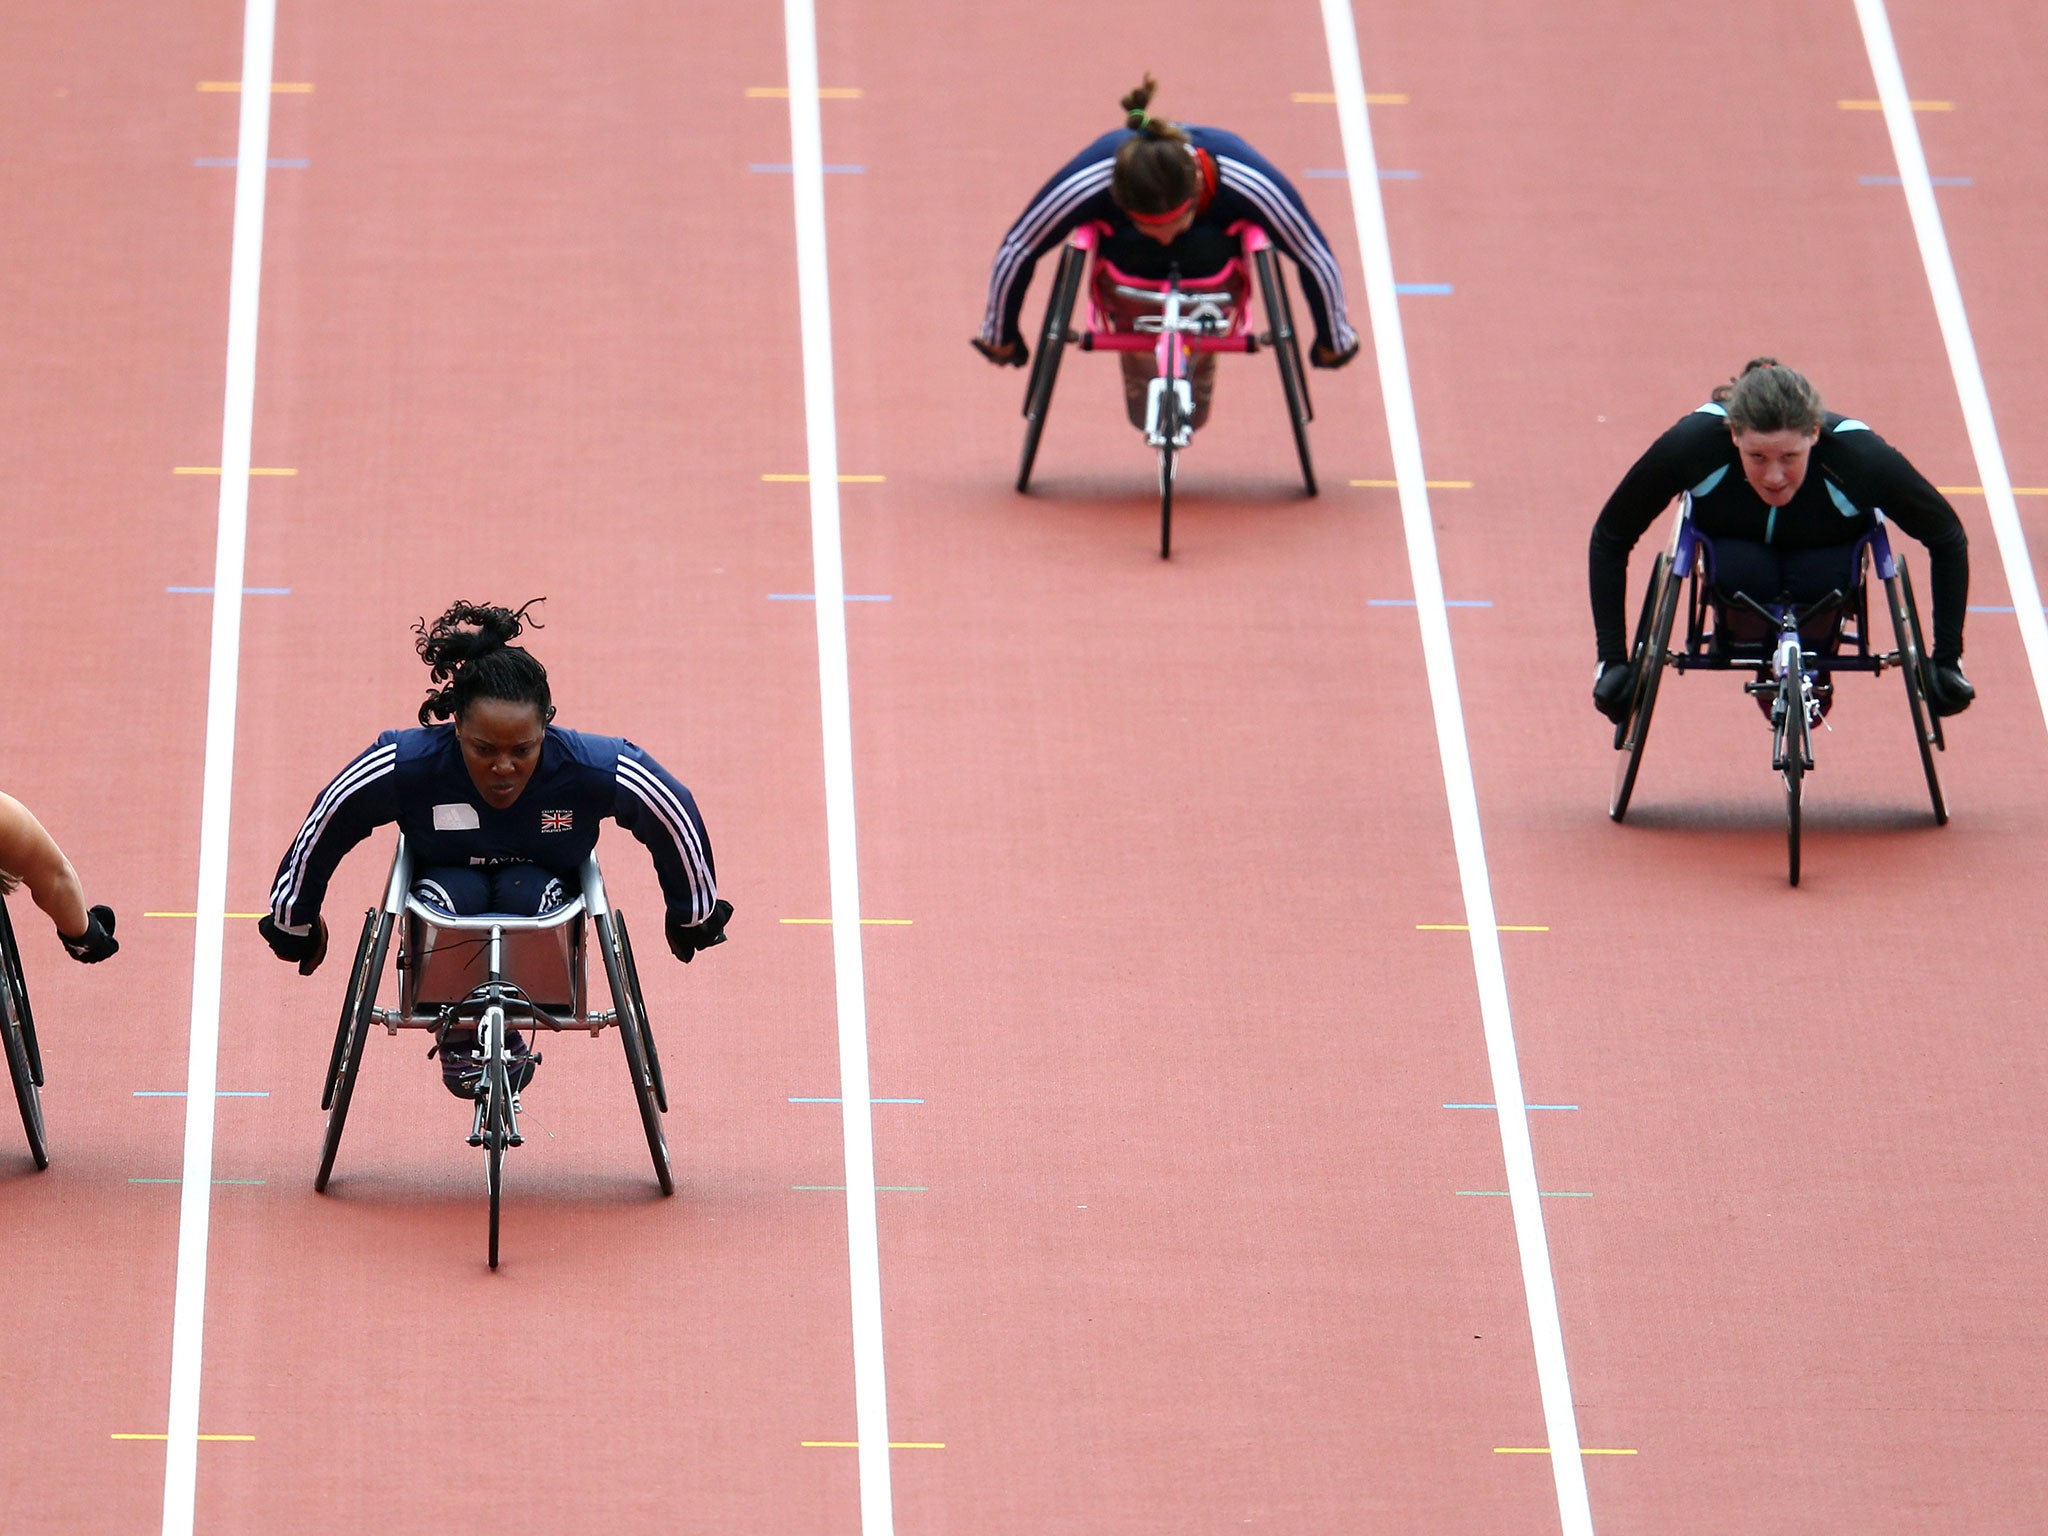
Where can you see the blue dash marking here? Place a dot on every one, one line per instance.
(794, 1100)
(246, 591)
(1525, 1106)
(1976, 608)
(1409, 602)
(830, 170)
(1422, 287)
(1939, 181)
(812, 597)
(232, 160)
(1340, 174)
(224, 1093)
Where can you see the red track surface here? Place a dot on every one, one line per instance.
(1185, 1252)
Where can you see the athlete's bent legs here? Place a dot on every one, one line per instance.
(1141, 368)
(511, 890)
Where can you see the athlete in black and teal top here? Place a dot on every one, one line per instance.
(1783, 506)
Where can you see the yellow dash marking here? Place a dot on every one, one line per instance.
(1467, 928)
(843, 479)
(1329, 98)
(879, 922)
(166, 1437)
(1544, 1450)
(1978, 490)
(1878, 106)
(894, 1445)
(250, 915)
(277, 87)
(1434, 485)
(214, 469)
(827, 92)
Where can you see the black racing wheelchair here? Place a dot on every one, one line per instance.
(24, 1056)
(1791, 651)
(494, 973)
(1174, 320)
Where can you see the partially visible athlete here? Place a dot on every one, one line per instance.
(499, 807)
(1785, 528)
(30, 856)
(1169, 194)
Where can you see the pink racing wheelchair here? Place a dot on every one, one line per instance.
(1174, 320)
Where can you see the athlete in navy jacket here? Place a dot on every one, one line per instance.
(498, 806)
(1783, 489)
(1168, 194)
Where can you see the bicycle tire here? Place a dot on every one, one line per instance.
(1287, 352)
(1660, 609)
(1045, 367)
(351, 1056)
(1927, 733)
(19, 983)
(636, 1056)
(25, 1096)
(640, 1008)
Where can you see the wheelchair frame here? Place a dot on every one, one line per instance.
(1172, 338)
(485, 972)
(24, 1056)
(1711, 645)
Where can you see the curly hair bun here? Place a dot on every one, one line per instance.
(469, 650)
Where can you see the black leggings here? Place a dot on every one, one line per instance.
(1771, 574)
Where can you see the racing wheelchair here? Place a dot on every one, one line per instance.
(1791, 651)
(24, 1056)
(1174, 320)
(498, 973)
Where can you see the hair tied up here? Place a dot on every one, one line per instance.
(469, 651)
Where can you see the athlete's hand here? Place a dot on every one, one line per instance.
(1011, 354)
(1614, 691)
(305, 950)
(685, 939)
(97, 942)
(1322, 355)
(1948, 691)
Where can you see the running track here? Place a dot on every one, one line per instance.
(1172, 1238)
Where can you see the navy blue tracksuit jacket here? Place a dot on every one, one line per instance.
(417, 779)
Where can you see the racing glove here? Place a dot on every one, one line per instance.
(685, 939)
(97, 942)
(1614, 690)
(305, 950)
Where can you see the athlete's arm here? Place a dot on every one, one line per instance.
(662, 814)
(1672, 464)
(1078, 192)
(1278, 209)
(1877, 474)
(32, 856)
(362, 798)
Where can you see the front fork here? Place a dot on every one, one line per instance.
(1173, 375)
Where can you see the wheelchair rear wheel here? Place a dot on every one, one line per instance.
(19, 1033)
(1912, 659)
(626, 1003)
(1652, 643)
(1287, 350)
(19, 983)
(640, 1002)
(1045, 367)
(352, 1034)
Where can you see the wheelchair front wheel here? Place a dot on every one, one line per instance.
(1912, 662)
(354, 1033)
(1166, 477)
(1652, 643)
(1045, 367)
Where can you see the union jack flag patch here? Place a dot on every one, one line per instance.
(557, 821)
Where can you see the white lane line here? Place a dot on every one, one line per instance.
(188, 1320)
(1955, 334)
(863, 1246)
(1560, 1423)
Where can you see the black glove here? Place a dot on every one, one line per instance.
(1948, 691)
(97, 942)
(306, 950)
(685, 939)
(1614, 691)
(1016, 358)
(1321, 355)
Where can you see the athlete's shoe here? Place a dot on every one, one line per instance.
(462, 1069)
